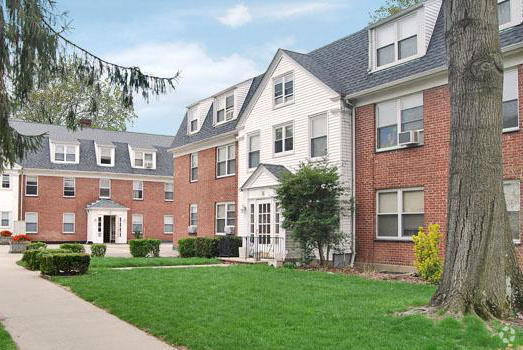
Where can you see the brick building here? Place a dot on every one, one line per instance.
(95, 185)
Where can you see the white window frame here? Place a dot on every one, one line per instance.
(165, 223)
(192, 114)
(311, 118)
(249, 150)
(399, 196)
(101, 149)
(100, 188)
(26, 178)
(64, 223)
(67, 148)
(35, 222)
(398, 121)
(227, 160)
(138, 187)
(513, 70)
(284, 151)
(517, 182)
(420, 38)
(2, 178)
(165, 185)
(141, 155)
(9, 214)
(191, 212)
(220, 103)
(515, 14)
(216, 218)
(74, 187)
(134, 221)
(287, 100)
(194, 162)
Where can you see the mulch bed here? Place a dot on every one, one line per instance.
(383, 276)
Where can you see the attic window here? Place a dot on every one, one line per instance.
(144, 160)
(224, 108)
(105, 156)
(192, 118)
(64, 153)
(283, 89)
(509, 13)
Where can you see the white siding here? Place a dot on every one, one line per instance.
(431, 15)
(240, 94)
(9, 198)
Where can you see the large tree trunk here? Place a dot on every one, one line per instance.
(481, 273)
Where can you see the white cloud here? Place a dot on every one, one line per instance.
(236, 16)
(201, 76)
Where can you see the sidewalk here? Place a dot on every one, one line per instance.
(40, 315)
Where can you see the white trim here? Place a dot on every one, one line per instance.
(74, 187)
(284, 152)
(309, 134)
(25, 186)
(191, 206)
(248, 149)
(98, 151)
(65, 145)
(164, 191)
(224, 96)
(225, 218)
(142, 221)
(100, 188)
(191, 167)
(63, 223)
(515, 14)
(212, 142)
(25, 219)
(9, 219)
(284, 81)
(10, 182)
(227, 173)
(172, 224)
(96, 175)
(140, 188)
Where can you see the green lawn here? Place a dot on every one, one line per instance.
(6, 343)
(109, 262)
(258, 307)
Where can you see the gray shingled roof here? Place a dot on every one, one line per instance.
(275, 169)
(208, 130)
(105, 204)
(86, 138)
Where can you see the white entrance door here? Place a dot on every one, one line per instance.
(261, 229)
(121, 228)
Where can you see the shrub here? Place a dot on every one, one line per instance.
(206, 247)
(5, 233)
(36, 246)
(98, 250)
(427, 259)
(21, 238)
(145, 247)
(32, 257)
(186, 247)
(229, 246)
(74, 247)
(64, 264)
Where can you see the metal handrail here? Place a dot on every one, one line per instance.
(260, 247)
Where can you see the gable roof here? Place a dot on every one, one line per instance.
(105, 204)
(208, 129)
(275, 170)
(87, 137)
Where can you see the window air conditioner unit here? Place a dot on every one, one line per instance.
(229, 230)
(409, 138)
(192, 229)
(148, 165)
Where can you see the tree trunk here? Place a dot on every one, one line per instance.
(481, 273)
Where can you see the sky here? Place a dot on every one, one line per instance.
(212, 44)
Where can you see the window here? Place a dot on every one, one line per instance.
(168, 224)
(68, 223)
(318, 133)
(31, 222)
(137, 221)
(105, 188)
(400, 213)
(4, 218)
(69, 186)
(503, 11)
(138, 190)
(510, 100)
(168, 191)
(224, 108)
(106, 156)
(283, 138)
(144, 159)
(193, 215)
(64, 153)
(194, 167)
(6, 181)
(225, 216)
(254, 151)
(284, 89)
(512, 198)
(397, 41)
(278, 220)
(192, 117)
(31, 185)
(226, 160)
(402, 114)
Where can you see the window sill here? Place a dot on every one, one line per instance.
(395, 148)
(516, 241)
(68, 233)
(508, 130)
(193, 181)
(69, 197)
(168, 200)
(224, 176)
(31, 195)
(137, 199)
(104, 198)
(392, 239)
(283, 154)
(168, 233)
(376, 69)
(281, 105)
(31, 233)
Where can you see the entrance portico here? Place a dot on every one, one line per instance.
(106, 222)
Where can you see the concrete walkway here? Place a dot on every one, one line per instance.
(40, 315)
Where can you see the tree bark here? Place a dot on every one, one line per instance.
(481, 274)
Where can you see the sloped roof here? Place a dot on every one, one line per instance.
(275, 169)
(105, 204)
(86, 138)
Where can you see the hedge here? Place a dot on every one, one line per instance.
(74, 247)
(186, 247)
(36, 245)
(144, 247)
(32, 257)
(204, 247)
(98, 250)
(64, 264)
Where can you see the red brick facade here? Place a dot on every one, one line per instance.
(205, 193)
(50, 204)
(425, 166)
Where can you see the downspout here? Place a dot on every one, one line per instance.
(353, 176)
(21, 194)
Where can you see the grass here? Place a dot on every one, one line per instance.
(110, 262)
(6, 343)
(258, 307)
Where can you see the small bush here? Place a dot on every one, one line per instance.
(145, 247)
(427, 259)
(36, 246)
(74, 247)
(206, 247)
(98, 250)
(64, 264)
(186, 247)
(32, 257)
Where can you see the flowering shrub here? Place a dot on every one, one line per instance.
(427, 259)
(5, 233)
(21, 238)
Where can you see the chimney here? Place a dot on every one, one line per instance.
(85, 123)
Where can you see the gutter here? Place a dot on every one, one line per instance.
(353, 180)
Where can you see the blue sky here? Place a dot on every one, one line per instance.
(213, 44)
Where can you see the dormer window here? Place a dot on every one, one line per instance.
(224, 108)
(283, 89)
(192, 118)
(64, 153)
(143, 160)
(105, 155)
(509, 13)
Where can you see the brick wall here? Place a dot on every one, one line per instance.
(51, 204)
(206, 192)
(425, 166)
